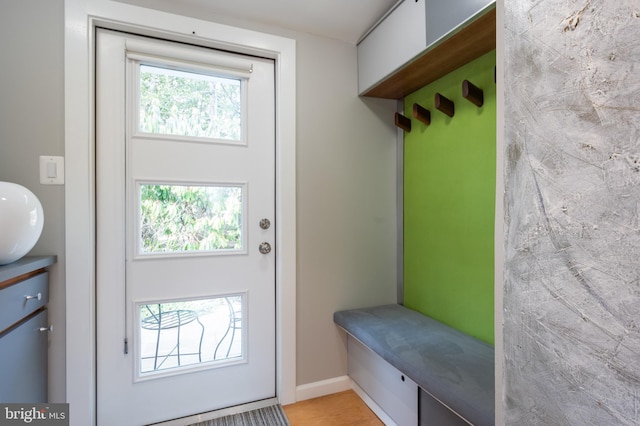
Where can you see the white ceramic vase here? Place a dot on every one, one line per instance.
(21, 221)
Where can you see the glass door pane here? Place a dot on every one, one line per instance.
(185, 103)
(183, 334)
(194, 218)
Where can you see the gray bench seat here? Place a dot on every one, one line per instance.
(453, 367)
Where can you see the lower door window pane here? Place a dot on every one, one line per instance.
(190, 333)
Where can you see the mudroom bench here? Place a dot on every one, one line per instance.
(419, 371)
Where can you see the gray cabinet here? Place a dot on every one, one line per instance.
(419, 41)
(435, 413)
(24, 329)
(443, 17)
(395, 393)
(23, 354)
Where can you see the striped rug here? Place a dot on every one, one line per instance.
(267, 416)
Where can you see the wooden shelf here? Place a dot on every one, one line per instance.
(459, 48)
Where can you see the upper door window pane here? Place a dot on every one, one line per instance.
(181, 103)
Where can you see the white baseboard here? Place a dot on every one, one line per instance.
(340, 384)
(322, 388)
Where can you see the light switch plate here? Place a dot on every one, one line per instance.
(51, 170)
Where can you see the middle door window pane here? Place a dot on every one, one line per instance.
(190, 218)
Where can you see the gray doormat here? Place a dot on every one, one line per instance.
(267, 416)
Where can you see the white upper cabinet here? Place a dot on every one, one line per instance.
(415, 27)
(396, 40)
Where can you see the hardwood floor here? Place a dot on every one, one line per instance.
(339, 409)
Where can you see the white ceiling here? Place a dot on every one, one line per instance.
(345, 20)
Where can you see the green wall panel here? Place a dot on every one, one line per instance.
(449, 203)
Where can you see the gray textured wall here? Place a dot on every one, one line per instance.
(572, 224)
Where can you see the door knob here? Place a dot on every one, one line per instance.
(264, 248)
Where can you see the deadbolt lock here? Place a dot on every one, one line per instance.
(265, 223)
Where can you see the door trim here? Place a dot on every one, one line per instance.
(81, 19)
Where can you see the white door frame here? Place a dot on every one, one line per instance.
(81, 18)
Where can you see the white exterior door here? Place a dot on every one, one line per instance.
(185, 157)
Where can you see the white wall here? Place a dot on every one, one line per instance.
(346, 202)
(32, 124)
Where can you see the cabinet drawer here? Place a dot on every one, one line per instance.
(20, 300)
(394, 392)
(23, 354)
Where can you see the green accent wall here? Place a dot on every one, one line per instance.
(449, 203)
